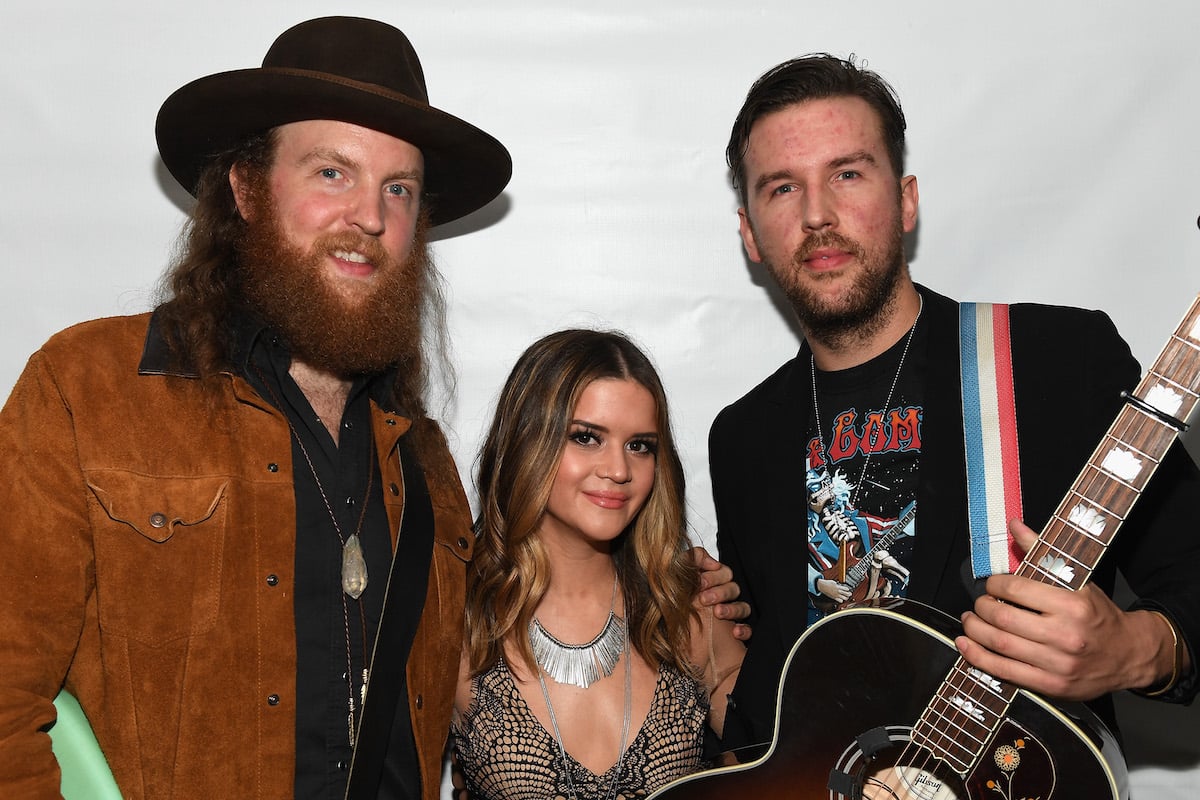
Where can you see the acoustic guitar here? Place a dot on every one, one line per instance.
(845, 729)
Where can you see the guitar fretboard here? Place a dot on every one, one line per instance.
(969, 705)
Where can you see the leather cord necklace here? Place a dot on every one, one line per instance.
(354, 566)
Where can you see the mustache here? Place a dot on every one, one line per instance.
(368, 246)
(827, 240)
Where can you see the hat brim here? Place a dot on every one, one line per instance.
(465, 167)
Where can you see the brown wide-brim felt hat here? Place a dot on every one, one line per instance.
(338, 68)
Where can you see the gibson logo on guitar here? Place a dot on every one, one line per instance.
(953, 732)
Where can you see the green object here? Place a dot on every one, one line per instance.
(85, 773)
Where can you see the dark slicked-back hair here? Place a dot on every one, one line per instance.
(817, 76)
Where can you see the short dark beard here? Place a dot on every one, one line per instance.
(283, 285)
(866, 311)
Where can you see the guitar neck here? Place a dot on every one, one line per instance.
(970, 704)
(1086, 521)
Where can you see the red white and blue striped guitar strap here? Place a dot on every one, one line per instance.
(990, 435)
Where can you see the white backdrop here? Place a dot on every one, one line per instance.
(1056, 146)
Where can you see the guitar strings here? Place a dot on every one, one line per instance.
(922, 758)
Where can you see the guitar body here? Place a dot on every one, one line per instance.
(845, 716)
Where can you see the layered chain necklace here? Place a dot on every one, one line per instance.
(580, 665)
(827, 479)
(353, 570)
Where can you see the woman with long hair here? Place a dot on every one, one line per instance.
(587, 671)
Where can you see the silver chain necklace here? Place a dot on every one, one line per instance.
(580, 664)
(812, 364)
(562, 751)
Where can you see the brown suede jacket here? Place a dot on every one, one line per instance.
(146, 564)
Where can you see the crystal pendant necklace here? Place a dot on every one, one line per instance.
(354, 574)
(354, 565)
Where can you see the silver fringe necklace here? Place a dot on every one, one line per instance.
(580, 664)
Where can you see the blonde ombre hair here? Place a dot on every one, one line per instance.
(517, 466)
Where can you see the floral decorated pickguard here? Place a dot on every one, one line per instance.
(1015, 767)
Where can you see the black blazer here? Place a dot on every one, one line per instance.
(1069, 367)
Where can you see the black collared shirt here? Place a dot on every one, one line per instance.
(334, 633)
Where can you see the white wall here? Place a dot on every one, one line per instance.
(1056, 146)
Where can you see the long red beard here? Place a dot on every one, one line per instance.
(345, 335)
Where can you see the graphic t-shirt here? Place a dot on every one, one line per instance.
(861, 478)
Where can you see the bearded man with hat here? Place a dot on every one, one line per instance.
(229, 527)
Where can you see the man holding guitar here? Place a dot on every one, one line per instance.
(874, 401)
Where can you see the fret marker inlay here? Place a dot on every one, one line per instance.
(1122, 463)
(968, 706)
(1057, 566)
(985, 679)
(1087, 519)
(1165, 399)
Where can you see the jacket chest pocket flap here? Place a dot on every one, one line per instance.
(159, 543)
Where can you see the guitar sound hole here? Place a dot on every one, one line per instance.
(882, 764)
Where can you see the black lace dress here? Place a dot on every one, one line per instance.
(505, 753)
